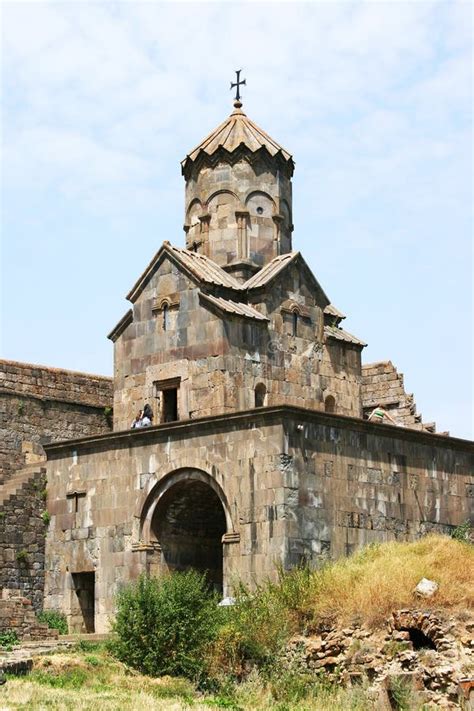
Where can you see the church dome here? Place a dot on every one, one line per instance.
(235, 133)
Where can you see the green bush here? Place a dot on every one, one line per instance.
(55, 620)
(464, 532)
(164, 625)
(8, 639)
(260, 623)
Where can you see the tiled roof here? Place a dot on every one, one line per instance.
(270, 270)
(236, 130)
(204, 268)
(232, 307)
(201, 267)
(340, 335)
(331, 310)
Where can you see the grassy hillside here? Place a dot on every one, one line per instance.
(380, 578)
(245, 660)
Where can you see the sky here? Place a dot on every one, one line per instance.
(101, 101)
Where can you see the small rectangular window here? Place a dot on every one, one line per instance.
(170, 405)
(167, 394)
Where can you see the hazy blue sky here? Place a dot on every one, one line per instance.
(102, 100)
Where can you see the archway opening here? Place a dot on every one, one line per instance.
(330, 404)
(188, 523)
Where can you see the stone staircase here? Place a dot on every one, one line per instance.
(23, 530)
(17, 615)
(19, 480)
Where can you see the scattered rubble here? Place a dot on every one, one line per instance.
(431, 653)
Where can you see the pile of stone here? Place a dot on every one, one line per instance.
(433, 654)
(17, 615)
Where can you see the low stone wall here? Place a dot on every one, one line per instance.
(17, 615)
(22, 540)
(39, 405)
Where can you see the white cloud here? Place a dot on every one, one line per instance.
(102, 100)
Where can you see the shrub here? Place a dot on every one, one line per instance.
(55, 620)
(260, 623)
(164, 625)
(8, 639)
(464, 532)
(46, 517)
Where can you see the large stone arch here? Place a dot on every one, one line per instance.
(186, 519)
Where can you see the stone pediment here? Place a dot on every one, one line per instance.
(198, 267)
(276, 270)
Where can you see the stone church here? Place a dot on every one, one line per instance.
(259, 454)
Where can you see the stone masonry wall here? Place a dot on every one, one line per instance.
(220, 358)
(295, 485)
(370, 482)
(17, 615)
(383, 385)
(40, 405)
(22, 539)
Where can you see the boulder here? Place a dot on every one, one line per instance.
(426, 588)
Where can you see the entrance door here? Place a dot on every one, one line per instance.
(83, 608)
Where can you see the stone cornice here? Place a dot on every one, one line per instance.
(283, 414)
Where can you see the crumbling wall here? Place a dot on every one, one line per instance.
(39, 405)
(17, 615)
(23, 526)
(383, 385)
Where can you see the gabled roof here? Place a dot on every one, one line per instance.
(233, 307)
(235, 131)
(198, 266)
(331, 310)
(125, 321)
(340, 335)
(271, 270)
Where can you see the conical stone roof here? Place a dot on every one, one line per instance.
(236, 131)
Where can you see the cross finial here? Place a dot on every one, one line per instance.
(238, 84)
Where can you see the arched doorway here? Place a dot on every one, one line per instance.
(188, 522)
(330, 404)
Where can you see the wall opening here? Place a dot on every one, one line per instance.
(260, 395)
(330, 404)
(166, 317)
(419, 639)
(170, 405)
(83, 607)
(188, 523)
(294, 324)
(167, 394)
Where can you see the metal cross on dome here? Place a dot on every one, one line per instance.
(238, 84)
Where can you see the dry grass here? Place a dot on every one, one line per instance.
(381, 578)
(88, 681)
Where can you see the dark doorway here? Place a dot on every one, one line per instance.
(189, 523)
(260, 395)
(83, 617)
(170, 405)
(330, 404)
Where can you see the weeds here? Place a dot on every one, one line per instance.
(55, 620)
(22, 557)
(8, 639)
